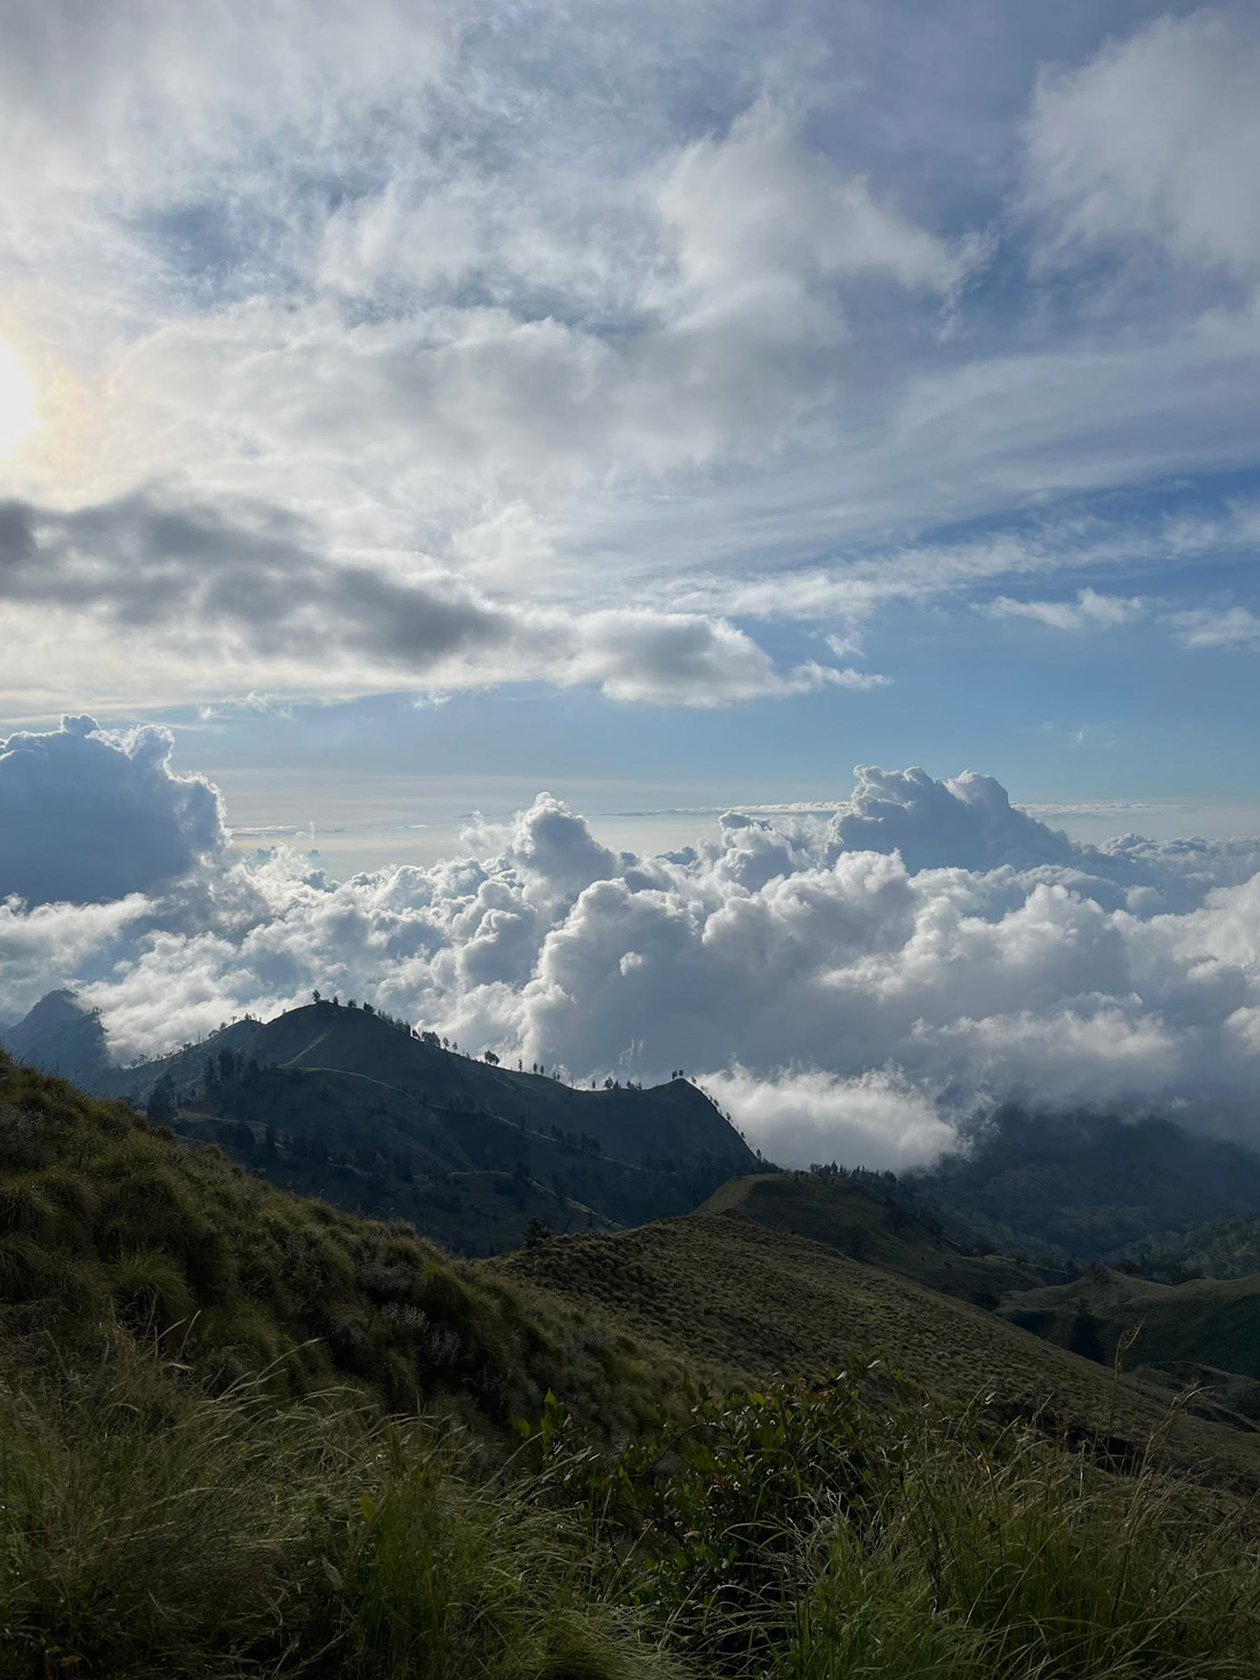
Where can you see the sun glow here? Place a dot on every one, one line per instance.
(17, 400)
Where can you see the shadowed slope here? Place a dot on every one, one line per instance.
(757, 1302)
(1208, 1321)
(113, 1228)
(857, 1220)
(674, 1120)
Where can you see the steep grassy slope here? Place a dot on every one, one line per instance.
(846, 1215)
(347, 1104)
(196, 1478)
(109, 1227)
(757, 1301)
(470, 1180)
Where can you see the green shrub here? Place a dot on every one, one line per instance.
(75, 1200)
(27, 1271)
(838, 1532)
(25, 1209)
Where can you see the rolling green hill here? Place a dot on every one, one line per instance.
(198, 1478)
(345, 1103)
(670, 1122)
(471, 1180)
(757, 1301)
(111, 1227)
(1207, 1322)
(853, 1218)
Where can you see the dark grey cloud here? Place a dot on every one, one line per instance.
(17, 539)
(253, 572)
(249, 588)
(88, 816)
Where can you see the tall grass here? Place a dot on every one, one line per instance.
(148, 1528)
(151, 1528)
(831, 1532)
(1019, 1562)
(185, 1494)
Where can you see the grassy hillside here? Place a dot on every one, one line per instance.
(344, 1103)
(470, 1180)
(197, 1477)
(757, 1301)
(110, 1225)
(1206, 1322)
(674, 1121)
(854, 1219)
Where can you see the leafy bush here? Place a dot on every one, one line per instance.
(1015, 1563)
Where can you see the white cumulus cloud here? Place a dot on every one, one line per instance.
(848, 986)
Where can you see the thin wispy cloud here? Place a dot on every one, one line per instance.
(1089, 611)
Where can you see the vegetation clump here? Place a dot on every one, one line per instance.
(243, 1434)
(804, 1531)
(109, 1225)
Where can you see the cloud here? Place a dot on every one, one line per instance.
(1218, 627)
(849, 986)
(185, 598)
(966, 823)
(1090, 611)
(1156, 138)
(472, 357)
(87, 816)
(755, 208)
(878, 1119)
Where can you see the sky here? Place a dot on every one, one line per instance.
(407, 411)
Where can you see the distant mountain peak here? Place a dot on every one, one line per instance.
(60, 1035)
(60, 1005)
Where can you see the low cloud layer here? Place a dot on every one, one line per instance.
(847, 986)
